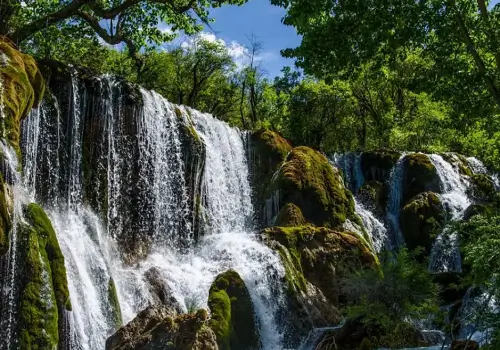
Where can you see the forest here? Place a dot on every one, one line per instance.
(386, 80)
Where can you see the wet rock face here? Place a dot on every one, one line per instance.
(232, 316)
(161, 328)
(377, 165)
(374, 195)
(161, 290)
(419, 176)
(421, 220)
(268, 151)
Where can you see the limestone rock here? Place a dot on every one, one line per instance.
(377, 165)
(419, 176)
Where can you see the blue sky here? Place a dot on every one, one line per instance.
(257, 17)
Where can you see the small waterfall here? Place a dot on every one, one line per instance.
(376, 230)
(445, 255)
(350, 164)
(120, 180)
(9, 283)
(394, 202)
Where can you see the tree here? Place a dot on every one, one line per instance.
(134, 23)
(340, 36)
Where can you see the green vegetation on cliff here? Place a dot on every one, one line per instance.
(44, 295)
(21, 88)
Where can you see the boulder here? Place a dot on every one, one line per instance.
(458, 161)
(307, 180)
(160, 290)
(161, 328)
(377, 165)
(21, 88)
(289, 216)
(419, 176)
(233, 319)
(421, 220)
(464, 345)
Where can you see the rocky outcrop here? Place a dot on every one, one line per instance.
(421, 220)
(290, 215)
(5, 217)
(268, 151)
(374, 195)
(377, 165)
(315, 261)
(482, 188)
(44, 294)
(21, 88)
(161, 328)
(160, 290)
(232, 316)
(419, 176)
(307, 180)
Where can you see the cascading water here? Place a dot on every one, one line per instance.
(445, 255)
(120, 177)
(394, 202)
(350, 163)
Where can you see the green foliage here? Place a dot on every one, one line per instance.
(481, 252)
(401, 290)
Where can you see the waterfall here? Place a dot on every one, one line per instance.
(350, 164)
(445, 254)
(394, 202)
(376, 230)
(121, 207)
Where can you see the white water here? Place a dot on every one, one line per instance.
(445, 255)
(376, 230)
(394, 203)
(350, 163)
(87, 240)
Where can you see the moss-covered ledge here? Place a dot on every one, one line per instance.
(22, 88)
(44, 294)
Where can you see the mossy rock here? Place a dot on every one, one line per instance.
(233, 319)
(289, 216)
(320, 256)
(44, 294)
(458, 161)
(374, 195)
(268, 151)
(482, 188)
(161, 328)
(421, 220)
(377, 165)
(23, 88)
(116, 312)
(419, 176)
(5, 219)
(307, 180)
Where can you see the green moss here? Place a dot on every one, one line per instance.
(458, 160)
(289, 216)
(422, 219)
(307, 180)
(420, 175)
(43, 289)
(48, 239)
(482, 187)
(115, 304)
(233, 319)
(23, 89)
